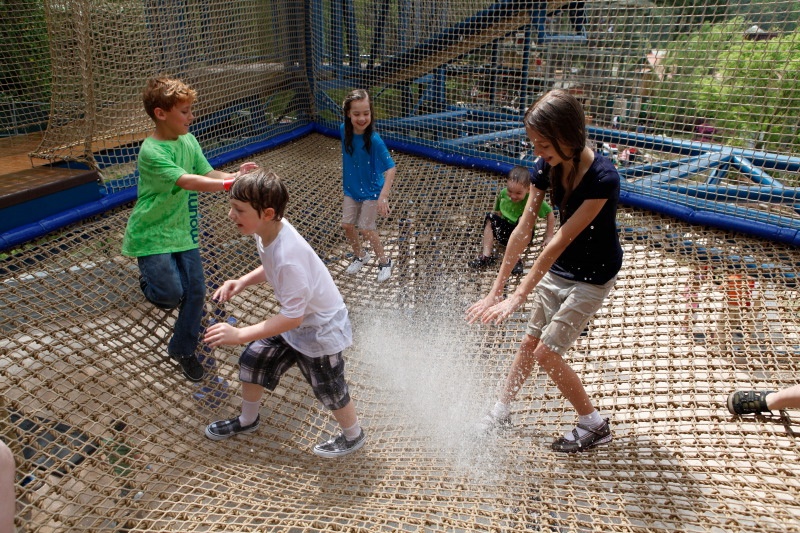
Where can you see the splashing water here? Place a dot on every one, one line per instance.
(426, 362)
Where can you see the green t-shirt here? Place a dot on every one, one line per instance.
(511, 211)
(164, 219)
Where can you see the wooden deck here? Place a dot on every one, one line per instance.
(31, 192)
(14, 152)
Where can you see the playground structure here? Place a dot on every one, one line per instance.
(109, 437)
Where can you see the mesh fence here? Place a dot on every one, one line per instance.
(697, 102)
(244, 58)
(110, 435)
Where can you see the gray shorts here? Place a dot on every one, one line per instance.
(562, 309)
(364, 215)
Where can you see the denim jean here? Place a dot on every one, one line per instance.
(177, 280)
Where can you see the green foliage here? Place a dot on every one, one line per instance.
(757, 92)
(24, 51)
(750, 90)
(278, 106)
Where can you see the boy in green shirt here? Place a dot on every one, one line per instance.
(162, 231)
(508, 207)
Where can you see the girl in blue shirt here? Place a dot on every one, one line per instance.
(368, 172)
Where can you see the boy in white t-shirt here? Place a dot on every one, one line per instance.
(311, 330)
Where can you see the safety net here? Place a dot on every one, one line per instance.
(697, 104)
(112, 434)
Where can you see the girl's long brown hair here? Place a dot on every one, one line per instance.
(357, 94)
(559, 118)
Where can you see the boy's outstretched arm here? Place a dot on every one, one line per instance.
(214, 181)
(224, 333)
(232, 287)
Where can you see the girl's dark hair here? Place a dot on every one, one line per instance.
(262, 189)
(357, 94)
(558, 117)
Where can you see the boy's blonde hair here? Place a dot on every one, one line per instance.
(520, 175)
(262, 189)
(165, 93)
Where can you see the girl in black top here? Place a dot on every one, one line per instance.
(573, 274)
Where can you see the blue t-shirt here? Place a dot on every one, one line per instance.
(362, 172)
(595, 256)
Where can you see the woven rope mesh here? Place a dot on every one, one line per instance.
(697, 103)
(82, 348)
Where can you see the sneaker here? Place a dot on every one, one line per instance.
(357, 263)
(491, 423)
(748, 402)
(482, 261)
(593, 437)
(192, 368)
(384, 271)
(222, 429)
(517, 270)
(339, 445)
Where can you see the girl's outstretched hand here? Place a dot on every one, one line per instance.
(383, 207)
(477, 310)
(502, 310)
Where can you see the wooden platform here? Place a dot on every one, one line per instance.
(14, 151)
(32, 194)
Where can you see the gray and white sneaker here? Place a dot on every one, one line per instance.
(339, 446)
(222, 429)
(384, 271)
(358, 263)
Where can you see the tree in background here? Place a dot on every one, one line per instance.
(747, 89)
(24, 64)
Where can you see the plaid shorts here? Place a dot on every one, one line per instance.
(264, 361)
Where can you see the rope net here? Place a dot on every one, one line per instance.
(697, 102)
(109, 435)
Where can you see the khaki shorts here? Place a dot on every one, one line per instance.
(562, 309)
(363, 215)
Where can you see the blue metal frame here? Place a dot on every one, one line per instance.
(461, 134)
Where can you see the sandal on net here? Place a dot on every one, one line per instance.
(748, 402)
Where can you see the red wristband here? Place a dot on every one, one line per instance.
(228, 183)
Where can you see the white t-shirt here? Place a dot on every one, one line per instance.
(304, 288)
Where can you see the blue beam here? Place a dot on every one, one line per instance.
(781, 195)
(758, 158)
(686, 167)
(518, 133)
